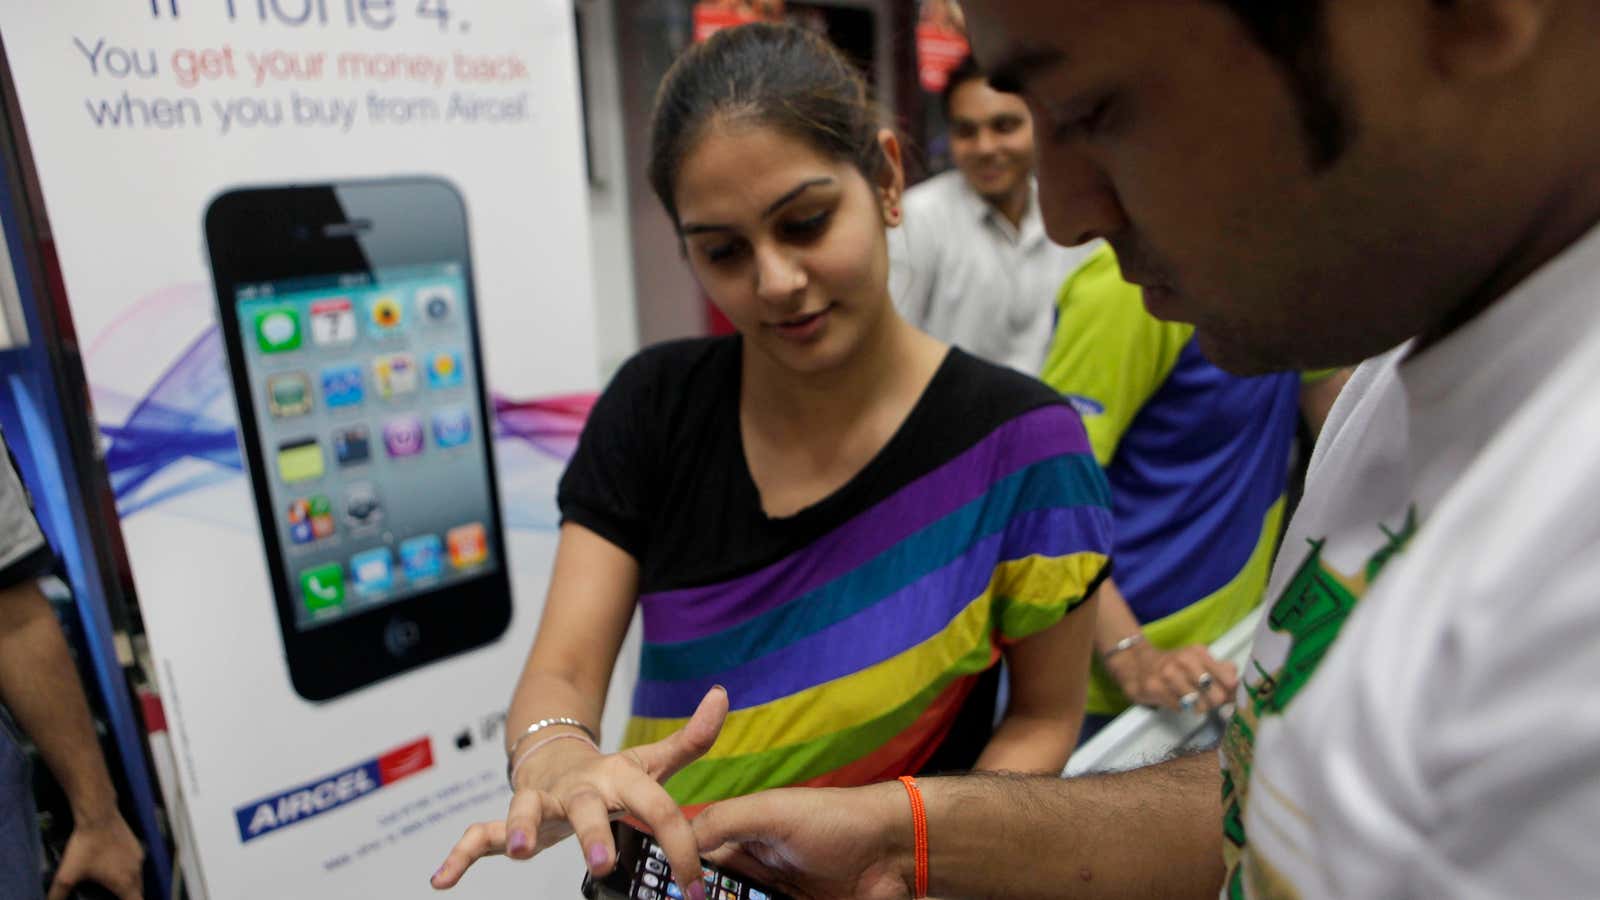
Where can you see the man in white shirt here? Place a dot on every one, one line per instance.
(1313, 182)
(971, 264)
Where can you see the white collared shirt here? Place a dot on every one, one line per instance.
(959, 270)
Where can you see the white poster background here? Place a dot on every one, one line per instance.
(125, 203)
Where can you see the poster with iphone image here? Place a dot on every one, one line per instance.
(349, 322)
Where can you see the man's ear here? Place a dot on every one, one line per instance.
(891, 178)
(1474, 39)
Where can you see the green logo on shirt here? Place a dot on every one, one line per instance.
(1311, 611)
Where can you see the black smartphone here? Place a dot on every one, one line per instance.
(350, 325)
(642, 873)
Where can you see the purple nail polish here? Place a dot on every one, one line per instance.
(518, 841)
(597, 855)
(436, 873)
(697, 890)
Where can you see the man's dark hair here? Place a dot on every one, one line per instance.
(965, 71)
(1291, 32)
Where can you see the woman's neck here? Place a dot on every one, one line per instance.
(785, 403)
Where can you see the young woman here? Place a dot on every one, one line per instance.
(836, 518)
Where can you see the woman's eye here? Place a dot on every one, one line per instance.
(807, 227)
(719, 253)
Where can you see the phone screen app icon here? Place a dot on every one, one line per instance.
(300, 460)
(372, 571)
(361, 505)
(289, 394)
(352, 446)
(385, 315)
(403, 436)
(333, 322)
(422, 557)
(436, 303)
(469, 545)
(310, 519)
(323, 587)
(342, 386)
(278, 329)
(394, 375)
(444, 369)
(451, 428)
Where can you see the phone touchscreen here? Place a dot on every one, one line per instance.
(642, 873)
(365, 401)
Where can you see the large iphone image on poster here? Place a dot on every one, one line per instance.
(350, 325)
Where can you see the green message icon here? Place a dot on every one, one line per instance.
(278, 329)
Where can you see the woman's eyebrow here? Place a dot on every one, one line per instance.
(780, 203)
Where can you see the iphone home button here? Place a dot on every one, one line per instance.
(401, 636)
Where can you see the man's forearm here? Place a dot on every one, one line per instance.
(1151, 832)
(40, 686)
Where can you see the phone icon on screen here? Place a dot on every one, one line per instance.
(436, 303)
(385, 315)
(352, 446)
(310, 519)
(289, 394)
(278, 329)
(323, 586)
(300, 460)
(403, 436)
(452, 428)
(422, 557)
(372, 571)
(333, 321)
(361, 505)
(444, 369)
(469, 545)
(394, 374)
(342, 386)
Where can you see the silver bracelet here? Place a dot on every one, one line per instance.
(1127, 643)
(542, 724)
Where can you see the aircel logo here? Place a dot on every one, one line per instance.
(330, 792)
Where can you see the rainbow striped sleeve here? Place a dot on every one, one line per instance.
(847, 661)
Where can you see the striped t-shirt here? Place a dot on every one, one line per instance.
(850, 635)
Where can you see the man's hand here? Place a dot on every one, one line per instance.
(104, 852)
(828, 844)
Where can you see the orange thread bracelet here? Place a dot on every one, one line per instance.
(919, 834)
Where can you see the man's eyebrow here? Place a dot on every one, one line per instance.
(697, 228)
(1022, 65)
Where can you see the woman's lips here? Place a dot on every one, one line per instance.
(803, 328)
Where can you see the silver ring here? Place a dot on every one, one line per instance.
(1204, 681)
(1187, 701)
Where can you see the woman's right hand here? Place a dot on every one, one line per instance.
(574, 790)
(1163, 678)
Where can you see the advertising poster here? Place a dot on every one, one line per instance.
(328, 263)
(941, 43)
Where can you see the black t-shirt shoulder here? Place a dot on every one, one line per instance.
(660, 469)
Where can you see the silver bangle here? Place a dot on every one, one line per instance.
(542, 724)
(1127, 643)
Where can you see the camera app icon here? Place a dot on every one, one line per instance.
(436, 304)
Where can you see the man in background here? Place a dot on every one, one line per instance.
(39, 687)
(971, 264)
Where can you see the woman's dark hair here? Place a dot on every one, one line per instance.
(777, 76)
